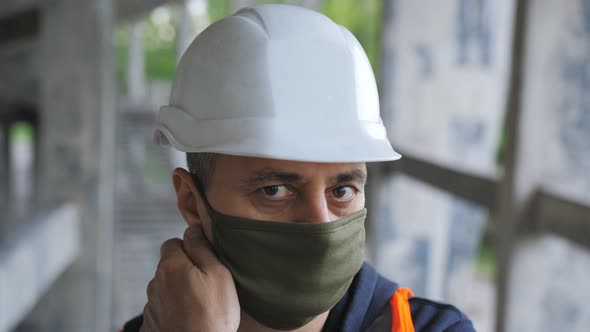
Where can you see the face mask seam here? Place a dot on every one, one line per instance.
(270, 226)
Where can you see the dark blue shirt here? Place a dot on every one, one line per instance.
(368, 298)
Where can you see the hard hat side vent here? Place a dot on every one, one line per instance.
(160, 138)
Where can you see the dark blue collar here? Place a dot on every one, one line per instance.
(364, 301)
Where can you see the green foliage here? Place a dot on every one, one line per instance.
(21, 131)
(159, 46)
(218, 9)
(502, 145)
(363, 19)
(486, 261)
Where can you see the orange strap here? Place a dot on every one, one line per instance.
(401, 317)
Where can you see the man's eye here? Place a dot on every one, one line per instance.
(344, 193)
(277, 192)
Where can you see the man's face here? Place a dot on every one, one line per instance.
(278, 190)
(282, 191)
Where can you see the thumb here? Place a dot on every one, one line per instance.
(198, 248)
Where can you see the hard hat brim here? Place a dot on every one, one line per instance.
(268, 138)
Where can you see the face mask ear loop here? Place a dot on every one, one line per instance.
(201, 189)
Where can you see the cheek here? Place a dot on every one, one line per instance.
(233, 203)
(342, 210)
(359, 202)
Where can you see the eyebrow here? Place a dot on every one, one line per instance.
(355, 175)
(283, 176)
(272, 175)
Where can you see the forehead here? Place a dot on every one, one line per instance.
(237, 166)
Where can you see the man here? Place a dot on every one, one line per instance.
(277, 109)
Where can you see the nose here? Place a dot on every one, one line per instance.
(315, 209)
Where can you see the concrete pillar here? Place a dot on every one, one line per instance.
(312, 4)
(4, 169)
(136, 86)
(238, 4)
(36, 158)
(184, 36)
(77, 125)
(184, 29)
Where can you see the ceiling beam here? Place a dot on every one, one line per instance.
(19, 63)
(22, 25)
(13, 7)
(550, 213)
(477, 188)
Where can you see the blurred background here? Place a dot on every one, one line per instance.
(488, 101)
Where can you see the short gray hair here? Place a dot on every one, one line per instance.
(201, 165)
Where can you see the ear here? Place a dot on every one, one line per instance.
(189, 199)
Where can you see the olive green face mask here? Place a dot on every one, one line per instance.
(288, 273)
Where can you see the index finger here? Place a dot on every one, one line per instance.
(198, 248)
(170, 248)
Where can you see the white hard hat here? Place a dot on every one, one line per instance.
(280, 82)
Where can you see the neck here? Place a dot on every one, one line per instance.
(249, 324)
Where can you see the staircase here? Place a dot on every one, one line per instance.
(146, 213)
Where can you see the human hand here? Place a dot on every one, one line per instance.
(192, 290)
